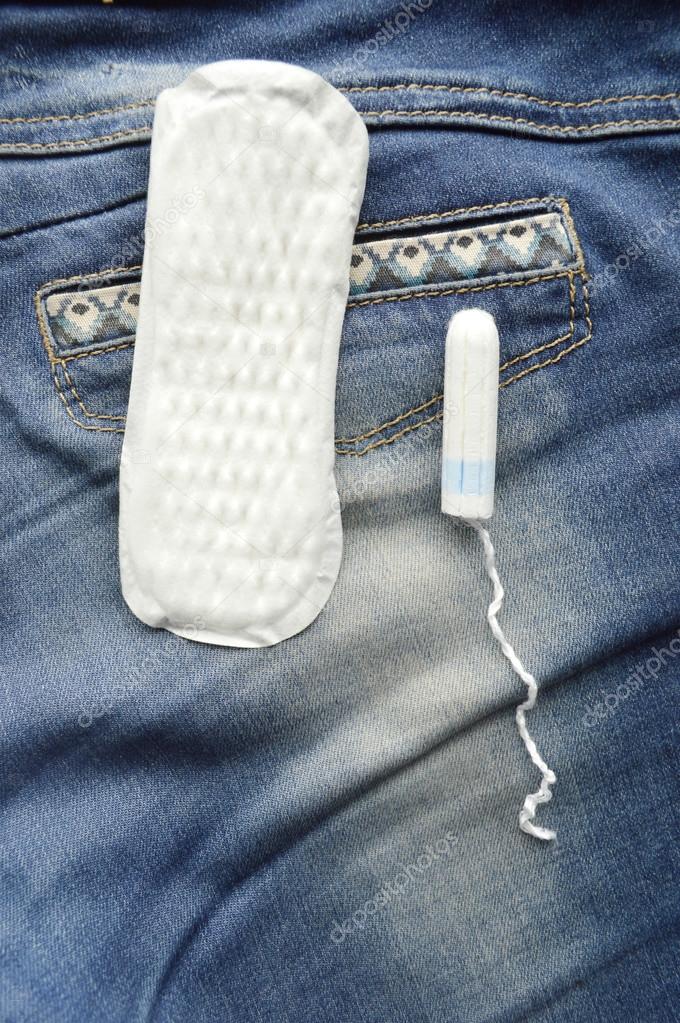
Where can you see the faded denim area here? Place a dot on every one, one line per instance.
(326, 830)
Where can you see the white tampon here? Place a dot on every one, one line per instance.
(470, 415)
(468, 474)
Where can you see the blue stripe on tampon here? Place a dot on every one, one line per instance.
(468, 478)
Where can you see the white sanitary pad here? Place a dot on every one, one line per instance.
(230, 527)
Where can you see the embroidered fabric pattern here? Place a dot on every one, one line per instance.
(92, 317)
(530, 243)
(84, 318)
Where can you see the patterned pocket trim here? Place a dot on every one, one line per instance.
(516, 246)
(83, 318)
(92, 318)
(96, 313)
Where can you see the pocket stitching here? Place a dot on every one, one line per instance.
(556, 341)
(437, 293)
(565, 351)
(569, 225)
(97, 351)
(83, 426)
(390, 440)
(55, 285)
(505, 365)
(55, 361)
(420, 408)
(421, 217)
(86, 411)
(503, 384)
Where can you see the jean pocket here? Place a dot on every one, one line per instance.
(521, 261)
(88, 328)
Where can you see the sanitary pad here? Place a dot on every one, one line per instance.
(230, 528)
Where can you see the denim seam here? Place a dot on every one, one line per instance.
(78, 117)
(128, 342)
(571, 230)
(83, 426)
(439, 292)
(396, 436)
(565, 351)
(399, 86)
(556, 341)
(484, 90)
(506, 365)
(142, 133)
(507, 119)
(422, 217)
(98, 351)
(87, 412)
(383, 441)
(132, 133)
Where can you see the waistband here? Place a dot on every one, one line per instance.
(86, 77)
(382, 104)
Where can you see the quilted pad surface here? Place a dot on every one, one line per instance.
(230, 526)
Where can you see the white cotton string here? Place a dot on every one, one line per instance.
(543, 795)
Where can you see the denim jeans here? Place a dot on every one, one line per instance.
(326, 830)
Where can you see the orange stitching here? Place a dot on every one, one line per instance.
(83, 426)
(498, 119)
(459, 291)
(77, 117)
(414, 86)
(461, 209)
(138, 132)
(53, 285)
(391, 440)
(55, 361)
(504, 384)
(565, 351)
(557, 340)
(392, 422)
(98, 351)
(90, 415)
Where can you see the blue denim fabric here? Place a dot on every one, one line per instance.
(327, 830)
